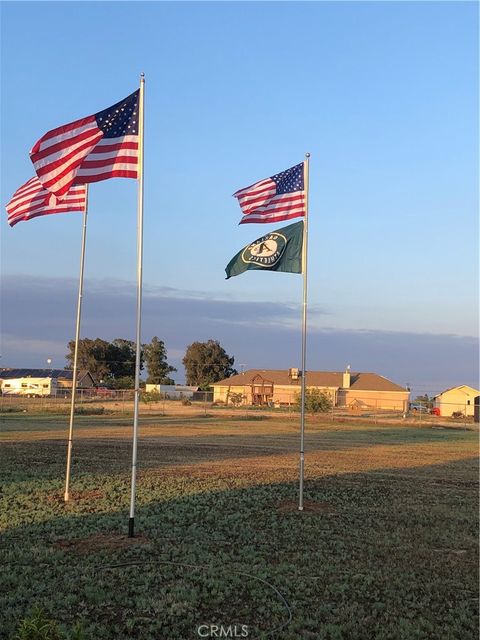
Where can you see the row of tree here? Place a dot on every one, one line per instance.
(113, 363)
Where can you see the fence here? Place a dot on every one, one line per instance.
(114, 399)
(60, 402)
(121, 401)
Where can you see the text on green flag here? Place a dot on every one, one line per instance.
(279, 250)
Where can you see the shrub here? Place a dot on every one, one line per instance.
(316, 401)
(151, 396)
(236, 398)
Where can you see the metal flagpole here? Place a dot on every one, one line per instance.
(66, 497)
(306, 166)
(131, 521)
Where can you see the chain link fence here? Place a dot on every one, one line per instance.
(114, 400)
(121, 401)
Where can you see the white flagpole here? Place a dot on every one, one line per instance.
(306, 166)
(131, 521)
(66, 496)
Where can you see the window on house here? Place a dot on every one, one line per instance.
(6, 385)
(468, 401)
(45, 386)
(24, 385)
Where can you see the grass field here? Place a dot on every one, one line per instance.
(385, 549)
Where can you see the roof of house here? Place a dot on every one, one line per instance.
(65, 374)
(462, 387)
(359, 381)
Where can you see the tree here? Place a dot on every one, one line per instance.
(122, 382)
(156, 361)
(121, 358)
(316, 401)
(113, 362)
(92, 356)
(206, 363)
(425, 401)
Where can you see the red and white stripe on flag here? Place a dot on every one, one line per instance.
(274, 199)
(58, 155)
(95, 148)
(32, 200)
(111, 158)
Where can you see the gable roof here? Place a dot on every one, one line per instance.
(373, 382)
(359, 381)
(467, 390)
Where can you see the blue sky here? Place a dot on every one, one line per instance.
(383, 95)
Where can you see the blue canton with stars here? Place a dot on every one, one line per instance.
(121, 119)
(289, 180)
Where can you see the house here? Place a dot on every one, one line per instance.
(282, 386)
(85, 380)
(457, 399)
(41, 382)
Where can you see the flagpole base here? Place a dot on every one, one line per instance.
(131, 527)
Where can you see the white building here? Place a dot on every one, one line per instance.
(172, 391)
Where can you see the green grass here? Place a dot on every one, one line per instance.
(389, 553)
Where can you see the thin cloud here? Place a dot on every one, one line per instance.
(38, 320)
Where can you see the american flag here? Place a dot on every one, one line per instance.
(280, 197)
(91, 149)
(32, 200)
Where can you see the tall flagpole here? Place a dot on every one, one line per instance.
(306, 167)
(66, 496)
(131, 521)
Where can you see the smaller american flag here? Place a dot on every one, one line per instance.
(280, 197)
(32, 200)
(95, 148)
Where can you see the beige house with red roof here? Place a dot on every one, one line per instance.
(281, 387)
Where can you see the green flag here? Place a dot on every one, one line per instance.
(279, 250)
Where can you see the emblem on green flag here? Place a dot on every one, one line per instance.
(279, 250)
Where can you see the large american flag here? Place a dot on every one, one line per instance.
(280, 197)
(32, 200)
(91, 149)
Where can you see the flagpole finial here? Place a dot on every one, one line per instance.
(142, 77)
(307, 155)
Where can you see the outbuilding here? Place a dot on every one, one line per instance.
(459, 399)
(172, 391)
